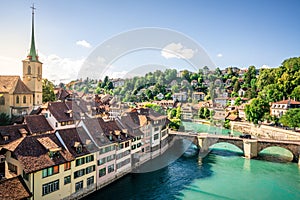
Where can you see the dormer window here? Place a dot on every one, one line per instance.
(54, 154)
(78, 147)
(69, 113)
(5, 138)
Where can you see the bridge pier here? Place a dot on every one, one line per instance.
(250, 148)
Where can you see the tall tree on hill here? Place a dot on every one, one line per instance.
(256, 110)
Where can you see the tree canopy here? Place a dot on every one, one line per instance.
(48, 91)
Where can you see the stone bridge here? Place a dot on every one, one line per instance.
(250, 147)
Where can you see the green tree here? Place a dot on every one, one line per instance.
(175, 124)
(271, 93)
(4, 119)
(238, 101)
(48, 91)
(296, 93)
(178, 112)
(206, 113)
(201, 113)
(105, 81)
(256, 110)
(291, 118)
(156, 108)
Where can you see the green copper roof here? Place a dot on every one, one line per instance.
(32, 54)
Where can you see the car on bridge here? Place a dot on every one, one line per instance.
(246, 136)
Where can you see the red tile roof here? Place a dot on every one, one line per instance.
(14, 189)
(289, 101)
(12, 131)
(59, 111)
(13, 85)
(37, 124)
(33, 156)
(77, 135)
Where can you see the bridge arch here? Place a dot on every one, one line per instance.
(235, 147)
(275, 151)
(294, 151)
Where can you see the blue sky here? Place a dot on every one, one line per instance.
(233, 33)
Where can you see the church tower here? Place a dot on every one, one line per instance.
(32, 70)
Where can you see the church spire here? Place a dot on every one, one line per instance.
(32, 54)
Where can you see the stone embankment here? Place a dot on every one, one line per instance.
(264, 131)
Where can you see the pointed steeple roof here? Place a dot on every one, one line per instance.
(32, 54)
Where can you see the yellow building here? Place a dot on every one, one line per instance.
(15, 97)
(18, 97)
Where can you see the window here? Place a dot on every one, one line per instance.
(56, 124)
(50, 171)
(39, 70)
(79, 150)
(50, 187)
(126, 144)
(79, 173)
(121, 146)
(12, 168)
(90, 181)
(90, 169)
(102, 172)
(107, 149)
(67, 180)
(156, 129)
(133, 147)
(110, 168)
(101, 161)
(17, 99)
(111, 157)
(138, 145)
(25, 176)
(2, 100)
(67, 166)
(80, 161)
(89, 158)
(29, 70)
(78, 186)
(156, 136)
(63, 123)
(24, 99)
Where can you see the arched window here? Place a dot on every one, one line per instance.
(39, 71)
(2, 100)
(24, 99)
(29, 70)
(18, 99)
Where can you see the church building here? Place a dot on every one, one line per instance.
(19, 97)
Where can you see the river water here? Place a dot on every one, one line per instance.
(222, 174)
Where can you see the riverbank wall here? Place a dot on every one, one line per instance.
(264, 131)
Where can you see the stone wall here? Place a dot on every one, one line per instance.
(264, 131)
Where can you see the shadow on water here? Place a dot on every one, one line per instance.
(165, 183)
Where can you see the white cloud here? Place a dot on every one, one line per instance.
(83, 43)
(59, 69)
(220, 55)
(176, 50)
(265, 67)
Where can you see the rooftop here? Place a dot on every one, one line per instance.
(37, 124)
(14, 188)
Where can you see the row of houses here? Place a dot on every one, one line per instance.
(224, 108)
(63, 154)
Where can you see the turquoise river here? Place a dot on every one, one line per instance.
(222, 174)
